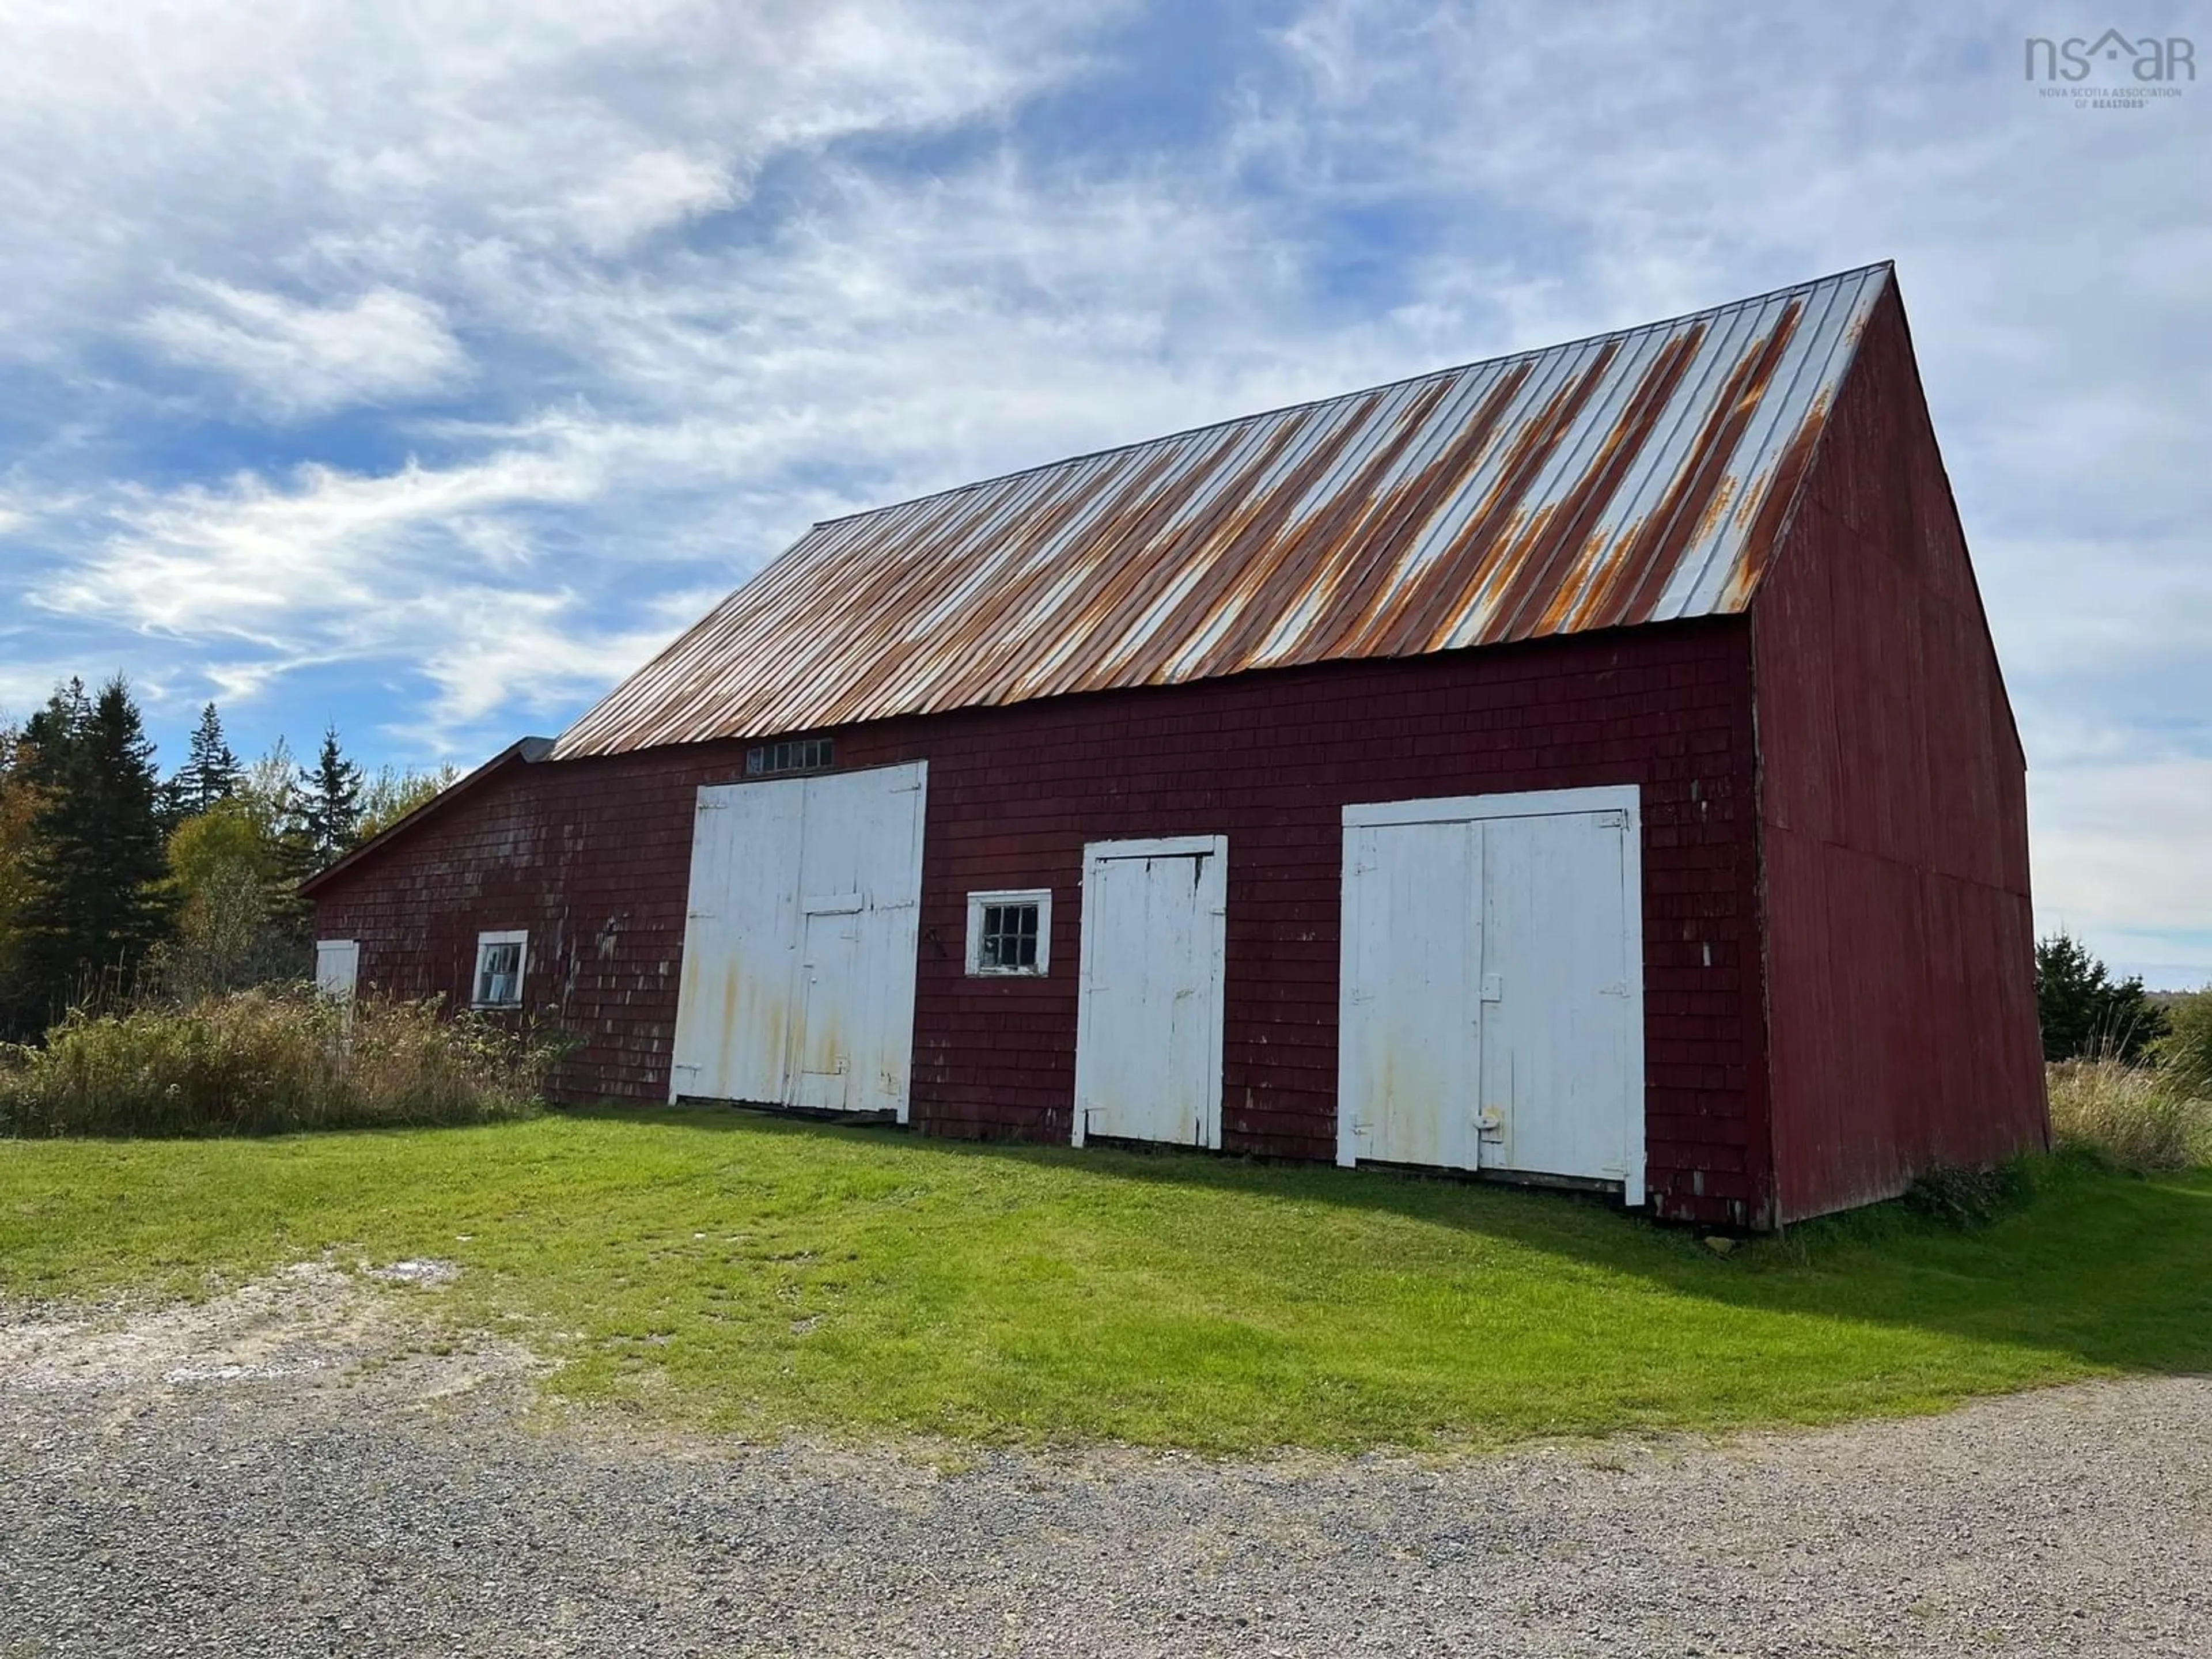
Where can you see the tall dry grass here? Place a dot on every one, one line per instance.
(2185, 1053)
(2139, 1117)
(267, 1061)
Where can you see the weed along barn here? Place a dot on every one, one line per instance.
(1588, 767)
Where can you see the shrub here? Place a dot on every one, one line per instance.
(267, 1062)
(2135, 1116)
(1962, 1195)
(2085, 1013)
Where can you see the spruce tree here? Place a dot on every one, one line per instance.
(96, 859)
(329, 810)
(2084, 1012)
(17, 803)
(211, 771)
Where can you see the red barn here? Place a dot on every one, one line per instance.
(1588, 767)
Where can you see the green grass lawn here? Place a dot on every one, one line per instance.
(745, 1273)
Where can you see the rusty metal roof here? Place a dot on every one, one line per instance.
(1631, 477)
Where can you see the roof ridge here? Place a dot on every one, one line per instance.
(1281, 410)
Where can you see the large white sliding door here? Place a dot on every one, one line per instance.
(1492, 1002)
(1148, 1014)
(800, 942)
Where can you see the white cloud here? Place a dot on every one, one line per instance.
(293, 359)
(648, 192)
(302, 571)
(2090, 819)
(225, 136)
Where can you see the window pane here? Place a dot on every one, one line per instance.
(1004, 937)
(499, 975)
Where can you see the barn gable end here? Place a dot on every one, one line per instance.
(1893, 805)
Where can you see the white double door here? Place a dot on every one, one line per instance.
(1149, 1007)
(800, 942)
(1491, 997)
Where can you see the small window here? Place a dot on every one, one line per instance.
(797, 755)
(1010, 933)
(500, 959)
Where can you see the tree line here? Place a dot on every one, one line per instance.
(116, 882)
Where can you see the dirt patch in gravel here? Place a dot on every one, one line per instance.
(317, 1463)
(313, 1327)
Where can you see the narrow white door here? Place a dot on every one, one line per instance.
(1491, 1001)
(1149, 1006)
(734, 1001)
(860, 890)
(800, 945)
(1563, 1024)
(831, 974)
(338, 965)
(1409, 1045)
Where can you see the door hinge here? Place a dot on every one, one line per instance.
(1493, 988)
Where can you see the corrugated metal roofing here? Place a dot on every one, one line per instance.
(1631, 477)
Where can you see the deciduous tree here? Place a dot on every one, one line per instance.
(392, 792)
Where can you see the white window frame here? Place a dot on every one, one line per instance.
(1040, 896)
(519, 938)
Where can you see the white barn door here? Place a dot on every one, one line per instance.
(338, 966)
(800, 942)
(1492, 1002)
(1148, 1010)
(1410, 1037)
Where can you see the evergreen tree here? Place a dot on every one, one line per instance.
(50, 737)
(18, 800)
(330, 807)
(2084, 1013)
(210, 772)
(95, 858)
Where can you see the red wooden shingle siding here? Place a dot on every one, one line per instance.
(593, 855)
(1900, 988)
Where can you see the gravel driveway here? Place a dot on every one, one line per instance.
(285, 1471)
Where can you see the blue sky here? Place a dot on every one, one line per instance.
(422, 369)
